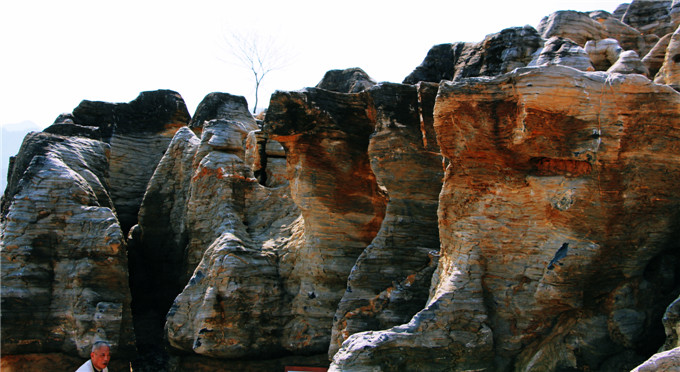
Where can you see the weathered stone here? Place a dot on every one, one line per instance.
(650, 16)
(326, 137)
(628, 37)
(603, 53)
(671, 323)
(74, 130)
(496, 54)
(655, 57)
(500, 227)
(620, 10)
(670, 70)
(351, 80)
(564, 52)
(667, 361)
(390, 280)
(139, 133)
(219, 105)
(570, 24)
(629, 63)
(227, 235)
(439, 64)
(675, 14)
(64, 264)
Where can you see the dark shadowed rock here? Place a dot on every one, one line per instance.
(351, 80)
(497, 54)
(74, 130)
(151, 112)
(138, 132)
(650, 17)
(439, 64)
(219, 105)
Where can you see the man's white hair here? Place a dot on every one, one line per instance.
(99, 344)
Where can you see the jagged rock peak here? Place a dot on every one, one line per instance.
(498, 53)
(350, 80)
(218, 105)
(650, 17)
(151, 112)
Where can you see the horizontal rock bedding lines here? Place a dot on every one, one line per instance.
(508, 218)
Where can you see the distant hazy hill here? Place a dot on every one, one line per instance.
(11, 137)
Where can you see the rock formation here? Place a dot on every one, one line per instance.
(138, 132)
(64, 263)
(534, 164)
(512, 205)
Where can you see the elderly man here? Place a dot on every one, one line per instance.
(99, 358)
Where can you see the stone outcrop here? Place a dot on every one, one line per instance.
(670, 70)
(64, 263)
(138, 132)
(512, 205)
(650, 17)
(351, 80)
(603, 53)
(629, 63)
(560, 51)
(529, 225)
(497, 54)
(389, 282)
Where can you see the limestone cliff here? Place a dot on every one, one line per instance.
(511, 206)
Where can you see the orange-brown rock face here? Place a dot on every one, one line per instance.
(325, 135)
(390, 280)
(557, 221)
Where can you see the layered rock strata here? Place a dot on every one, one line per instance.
(64, 262)
(557, 221)
(138, 132)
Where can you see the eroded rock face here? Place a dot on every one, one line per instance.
(551, 245)
(497, 54)
(216, 232)
(326, 137)
(64, 263)
(351, 80)
(650, 17)
(560, 51)
(390, 280)
(139, 133)
(670, 70)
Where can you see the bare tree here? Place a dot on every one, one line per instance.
(256, 53)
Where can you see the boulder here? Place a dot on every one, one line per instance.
(603, 53)
(570, 24)
(218, 105)
(629, 63)
(351, 80)
(628, 37)
(564, 52)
